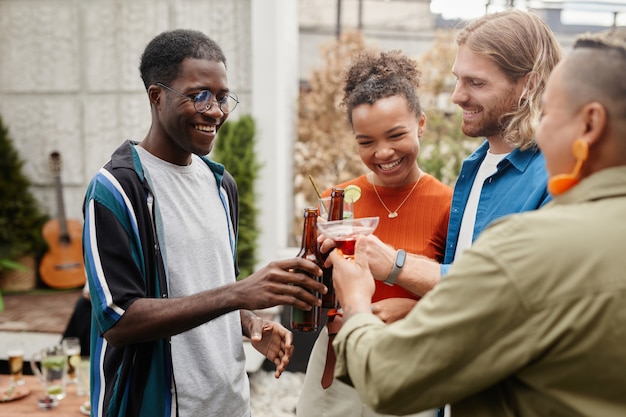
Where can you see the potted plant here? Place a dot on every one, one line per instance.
(21, 220)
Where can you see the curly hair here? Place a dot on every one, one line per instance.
(162, 58)
(373, 76)
(519, 43)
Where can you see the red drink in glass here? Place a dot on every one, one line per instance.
(346, 246)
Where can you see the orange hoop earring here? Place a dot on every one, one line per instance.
(559, 184)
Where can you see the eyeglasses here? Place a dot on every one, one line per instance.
(203, 101)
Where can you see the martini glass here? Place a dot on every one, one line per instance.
(345, 232)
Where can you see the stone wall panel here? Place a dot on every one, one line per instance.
(39, 46)
(109, 120)
(115, 35)
(42, 124)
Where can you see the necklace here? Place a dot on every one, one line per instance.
(394, 214)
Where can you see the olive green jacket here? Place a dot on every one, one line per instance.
(531, 321)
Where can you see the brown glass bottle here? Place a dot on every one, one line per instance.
(308, 320)
(335, 212)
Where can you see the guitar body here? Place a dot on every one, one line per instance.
(63, 266)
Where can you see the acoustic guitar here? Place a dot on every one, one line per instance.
(62, 265)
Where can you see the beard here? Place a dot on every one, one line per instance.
(493, 119)
(489, 126)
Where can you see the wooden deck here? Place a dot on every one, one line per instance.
(42, 311)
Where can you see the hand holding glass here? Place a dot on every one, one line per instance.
(345, 232)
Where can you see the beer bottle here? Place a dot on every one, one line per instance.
(303, 320)
(335, 212)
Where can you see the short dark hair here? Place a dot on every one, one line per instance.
(373, 76)
(595, 71)
(161, 60)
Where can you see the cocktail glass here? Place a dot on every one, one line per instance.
(345, 232)
(324, 207)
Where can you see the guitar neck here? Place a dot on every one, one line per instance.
(63, 231)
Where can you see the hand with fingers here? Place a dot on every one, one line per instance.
(353, 280)
(283, 282)
(273, 340)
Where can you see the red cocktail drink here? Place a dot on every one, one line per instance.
(346, 246)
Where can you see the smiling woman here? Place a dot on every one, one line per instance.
(384, 111)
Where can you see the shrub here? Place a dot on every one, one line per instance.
(21, 218)
(235, 149)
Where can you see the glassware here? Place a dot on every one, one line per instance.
(82, 376)
(203, 101)
(71, 347)
(16, 361)
(308, 320)
(345, 232)
(53, 370)
(324, 206)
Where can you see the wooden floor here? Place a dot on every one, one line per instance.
(45, 311)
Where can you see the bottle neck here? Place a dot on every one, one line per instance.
(335, 210)
(309, 233)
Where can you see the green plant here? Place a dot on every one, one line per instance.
(325, 147)
(235, 150)
(443, 147)
(21, 218)
(9, 265)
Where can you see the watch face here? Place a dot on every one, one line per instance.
(400, 258)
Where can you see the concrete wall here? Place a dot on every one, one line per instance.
(69, 81)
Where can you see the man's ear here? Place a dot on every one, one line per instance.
(154, 94)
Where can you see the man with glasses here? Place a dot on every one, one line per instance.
(160, 241)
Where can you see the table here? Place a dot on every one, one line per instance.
(27, 406)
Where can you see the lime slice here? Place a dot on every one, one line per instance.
(55, 390)
(352, 193)
(74, 361)
(54, 362)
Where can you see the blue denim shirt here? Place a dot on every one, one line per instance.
(518, 185)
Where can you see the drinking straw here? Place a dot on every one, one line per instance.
(319, 195)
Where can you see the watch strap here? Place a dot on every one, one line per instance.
(397, 267)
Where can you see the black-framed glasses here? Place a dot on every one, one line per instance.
(203, 101)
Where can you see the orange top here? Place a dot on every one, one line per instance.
(421, 226)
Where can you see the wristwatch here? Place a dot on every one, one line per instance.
(397, 267)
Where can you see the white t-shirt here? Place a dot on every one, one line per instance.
(487, 168)
(208, 361)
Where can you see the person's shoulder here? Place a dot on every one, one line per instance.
(528, 159)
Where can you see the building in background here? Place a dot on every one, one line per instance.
(69, 79)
